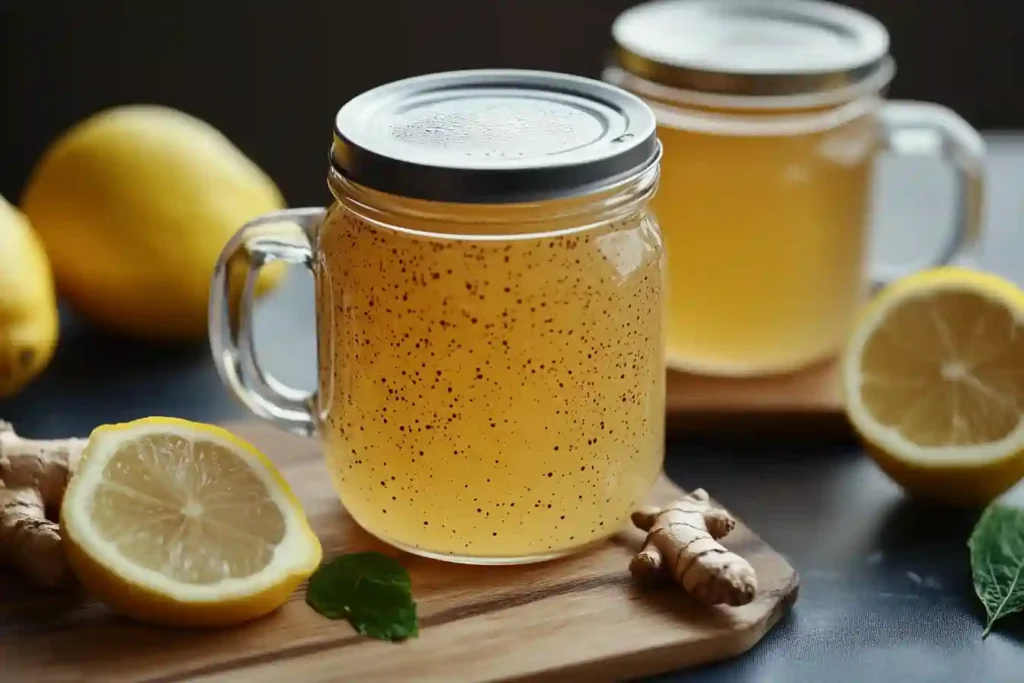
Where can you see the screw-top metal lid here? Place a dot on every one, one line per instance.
(750, 47)
(493, 136)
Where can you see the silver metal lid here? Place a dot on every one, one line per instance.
(750, 47)
(493, 136)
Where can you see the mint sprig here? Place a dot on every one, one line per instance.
(997, 561)
(371, 590)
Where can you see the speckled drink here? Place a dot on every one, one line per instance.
(491, 398)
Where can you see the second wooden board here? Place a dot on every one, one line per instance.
(809, 400)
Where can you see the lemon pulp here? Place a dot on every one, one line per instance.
(946, 371)
(190, 510)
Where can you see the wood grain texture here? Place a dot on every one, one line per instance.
(581, 618)
(808, 401)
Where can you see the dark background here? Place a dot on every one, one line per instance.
(885, 584)
(271, 74)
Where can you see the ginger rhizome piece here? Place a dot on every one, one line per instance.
(33, 477)
(682, 541)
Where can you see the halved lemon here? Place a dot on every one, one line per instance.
(181, 523)
(933, 379)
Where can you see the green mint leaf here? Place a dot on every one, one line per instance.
(997, 561)
(371, 590)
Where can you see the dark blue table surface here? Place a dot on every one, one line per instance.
(885, 589)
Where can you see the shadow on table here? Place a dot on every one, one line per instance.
(915, 529)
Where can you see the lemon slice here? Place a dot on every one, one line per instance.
(181, 523)
(933, 379)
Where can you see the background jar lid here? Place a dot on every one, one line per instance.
(493, 136)
(750, 47)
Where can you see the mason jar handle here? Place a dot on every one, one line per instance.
(928, 129)
(281, 236)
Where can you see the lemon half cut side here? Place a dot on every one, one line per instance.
(182, 523)
(933, 382)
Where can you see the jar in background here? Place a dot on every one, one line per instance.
(489, 314)
(771, 116)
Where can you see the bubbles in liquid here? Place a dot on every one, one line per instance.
(492, 398)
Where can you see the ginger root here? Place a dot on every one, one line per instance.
(33, 477)
(682, 540)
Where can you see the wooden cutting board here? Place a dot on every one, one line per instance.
(808, 402)
(581, 618)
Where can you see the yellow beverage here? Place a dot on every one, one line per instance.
(490, 398)
(489, 305)
(766, 239)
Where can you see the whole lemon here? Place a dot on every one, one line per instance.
(134, 205)
(28, 304)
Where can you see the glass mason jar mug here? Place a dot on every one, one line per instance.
(771, 116)
(488, 314)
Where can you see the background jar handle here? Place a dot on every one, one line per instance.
(281, 236)
(928, 129)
